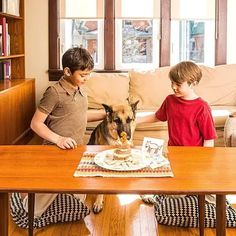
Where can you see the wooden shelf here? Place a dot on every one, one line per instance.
(11, 56)
(17, 95)
(7, 84)
(9, 16)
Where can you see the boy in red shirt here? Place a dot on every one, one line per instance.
(190, 123)
(189, 117)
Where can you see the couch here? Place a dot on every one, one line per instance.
(217, 87)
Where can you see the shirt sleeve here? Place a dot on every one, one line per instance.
(206, 124)
(161, 113)
(49, 100)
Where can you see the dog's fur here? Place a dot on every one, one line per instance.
(118, 118)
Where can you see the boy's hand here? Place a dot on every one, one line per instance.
(66, 143)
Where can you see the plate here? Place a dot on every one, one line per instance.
(137, 161)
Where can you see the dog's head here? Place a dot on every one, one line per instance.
(121, 117)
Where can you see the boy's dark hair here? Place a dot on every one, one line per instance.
(77, 59)
(185, 71)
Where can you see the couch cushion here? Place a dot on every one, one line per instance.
(218, 85)
(108, 88)
(221, 113)
(150, 87)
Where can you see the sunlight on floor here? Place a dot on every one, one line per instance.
(126, 199)
(231, 199)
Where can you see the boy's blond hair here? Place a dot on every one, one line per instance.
(185, 71)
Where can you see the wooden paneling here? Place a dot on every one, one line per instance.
(109, 35)
(164, 56)
(17, 106)
(221, 32)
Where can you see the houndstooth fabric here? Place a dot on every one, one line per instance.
(65, 208)
(183, 212)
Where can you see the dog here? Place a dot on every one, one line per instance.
(119, 118)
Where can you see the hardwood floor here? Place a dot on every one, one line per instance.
(123, 215)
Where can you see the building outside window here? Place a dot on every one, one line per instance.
(137, 34)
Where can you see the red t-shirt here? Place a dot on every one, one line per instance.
(190, 122)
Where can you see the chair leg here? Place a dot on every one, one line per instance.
(31, 197)
(201, 213)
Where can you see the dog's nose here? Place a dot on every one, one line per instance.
(128, 136)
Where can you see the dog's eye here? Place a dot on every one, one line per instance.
(128, 120)
(117, 120)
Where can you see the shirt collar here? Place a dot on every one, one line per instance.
(69, 88)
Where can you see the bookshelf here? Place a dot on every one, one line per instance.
(17, 94)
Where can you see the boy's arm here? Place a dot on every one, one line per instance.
(146, 119)
(208, 143)
(95, 115)
(39, 127)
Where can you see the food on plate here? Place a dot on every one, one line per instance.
(123, 152)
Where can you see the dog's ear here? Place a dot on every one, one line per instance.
(108, 109)
(134, 106)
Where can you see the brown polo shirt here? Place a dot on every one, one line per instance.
(67, 110)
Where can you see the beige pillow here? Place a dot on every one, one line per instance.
(150, 87)
(218, 85)
(108, 88)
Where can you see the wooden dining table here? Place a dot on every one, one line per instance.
(48, 169)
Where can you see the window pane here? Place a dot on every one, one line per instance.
(83, 33)
(192, 40)
(136, 38)
(137, 41)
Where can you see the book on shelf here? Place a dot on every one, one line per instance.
(4, 38)
(3, 35)
(5, 69)
(11, 7)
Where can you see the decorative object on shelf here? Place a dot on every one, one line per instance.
(11, 7)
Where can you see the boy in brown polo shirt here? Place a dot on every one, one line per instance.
(61, 116)
(61, 119)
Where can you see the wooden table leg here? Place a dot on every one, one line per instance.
(220, 215)
(4, 214)
(31, 199)
(201, 213)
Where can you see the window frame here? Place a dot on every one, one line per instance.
(109, 39)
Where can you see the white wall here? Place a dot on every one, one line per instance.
(231, 32)
(36, 43)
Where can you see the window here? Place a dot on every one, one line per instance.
(137, 34)
(153, 33)
(81, 25)
(193, 31)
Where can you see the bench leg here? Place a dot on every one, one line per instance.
(220, 215)
(31, 197)
(4, 212)
(201, 213)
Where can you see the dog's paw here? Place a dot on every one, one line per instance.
(148, 198)
(97, 207)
